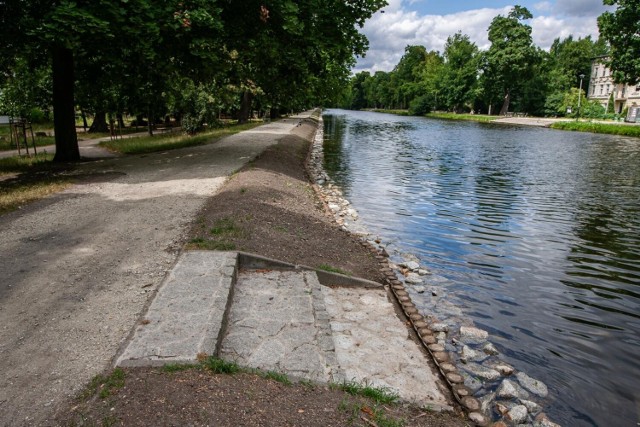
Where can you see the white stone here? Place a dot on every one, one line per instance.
(334, 207)
(439, 327)
(423, 272)
(471, 333)
(489, 348)
(532, 407)
(411, 265)
(504, 369)
(517, 414)
(534, 386)
(509, 390)
(481, 372)
(413, 278)
(419, 289)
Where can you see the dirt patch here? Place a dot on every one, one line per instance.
(270, 208)
(151, 397)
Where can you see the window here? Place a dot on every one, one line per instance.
(608, 89)
(601, 89)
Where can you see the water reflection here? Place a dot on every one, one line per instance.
(535, 232)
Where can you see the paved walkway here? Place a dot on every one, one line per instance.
(79, 267)
(283, 320)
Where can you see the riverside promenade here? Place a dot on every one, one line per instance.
(86, 273)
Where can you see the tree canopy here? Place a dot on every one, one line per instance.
(190, 58)
(621, 29)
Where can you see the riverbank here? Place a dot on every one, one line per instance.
(269, 208)
(584, 125)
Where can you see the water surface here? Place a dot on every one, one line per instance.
(536, 233)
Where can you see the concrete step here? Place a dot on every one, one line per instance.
(273, 316)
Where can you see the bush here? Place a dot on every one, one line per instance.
(36, 115)
(420, 106)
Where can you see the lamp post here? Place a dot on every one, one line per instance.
(580, 94)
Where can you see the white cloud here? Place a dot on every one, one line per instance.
(390, 32)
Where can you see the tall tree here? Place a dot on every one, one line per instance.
(460, 72)
(510, 59)
(621, 29)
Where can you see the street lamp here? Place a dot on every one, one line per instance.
(580, 94)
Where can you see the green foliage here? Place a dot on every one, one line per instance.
(420, 106)
(105, 386)
(275, 376)
(331, 269)
(621, 29)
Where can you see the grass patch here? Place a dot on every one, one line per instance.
(396, 112)
(331, 269)
(219, 366)
(378, 394)
(606, 128)
(105, 386)
(150, 144)
(372, 415)
(275, 376)
(467, 117)
(27, 179)
(226, 227)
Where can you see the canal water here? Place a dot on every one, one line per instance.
(534, 232)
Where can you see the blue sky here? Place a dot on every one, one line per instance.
(430, 22)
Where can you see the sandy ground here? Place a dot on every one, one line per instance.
(78, 268)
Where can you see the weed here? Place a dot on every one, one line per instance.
(219, 366)
(281, 228)
(330, 269)
(307, 383)
(104, 386)
(227, 227)
(276, 376)
(378, 394)
(243, 190)
(210, 245)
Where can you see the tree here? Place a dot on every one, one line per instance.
(621, 29)
(510, 59)
(460, 72)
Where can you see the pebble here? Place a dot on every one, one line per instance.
(490, 349)
(504, 369)
(509, 390)
(413, 278)
(484, 373)
(423, 272)
(419, 289)
(440, 327)
(542, 420)
(532, 407)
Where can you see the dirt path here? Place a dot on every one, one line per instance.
(78, 268)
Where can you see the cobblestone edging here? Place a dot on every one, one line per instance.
(489, 390)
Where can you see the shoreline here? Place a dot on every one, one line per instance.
(457, 347)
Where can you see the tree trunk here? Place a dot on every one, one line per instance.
(84, 120)
(120, 120)
(505, 104)
(99, 123)
(245, 107)
(150, 121)
(64, 115)
(274, 113)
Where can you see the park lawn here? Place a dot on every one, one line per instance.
(607, 128)
(150, 144)
(468, 117)
(26, 179)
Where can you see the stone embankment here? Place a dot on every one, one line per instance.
(490, 390)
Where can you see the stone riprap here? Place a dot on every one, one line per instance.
(439, 320)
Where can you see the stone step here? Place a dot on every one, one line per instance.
(186, 317)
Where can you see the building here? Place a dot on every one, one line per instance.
(601, 86)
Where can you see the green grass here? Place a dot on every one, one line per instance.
(374, 415)
(396, 112)
(210, 245)
(23, 164)
(222, 233)
(468, 117)
(105, 386)
(331, 269)
(162, 142)
(378, 394)
(275, 376)
(607, 128)
(219, 366)
(226, 227)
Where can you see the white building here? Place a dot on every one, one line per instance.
(601, 86)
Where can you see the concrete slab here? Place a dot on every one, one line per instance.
(186, 316)
(373, 346)
(278, 322)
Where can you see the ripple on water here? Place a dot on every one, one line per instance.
(534, 233)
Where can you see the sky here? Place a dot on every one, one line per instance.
(430, 22)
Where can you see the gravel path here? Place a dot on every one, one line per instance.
(78, 268)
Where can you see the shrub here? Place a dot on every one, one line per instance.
(420, 106)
